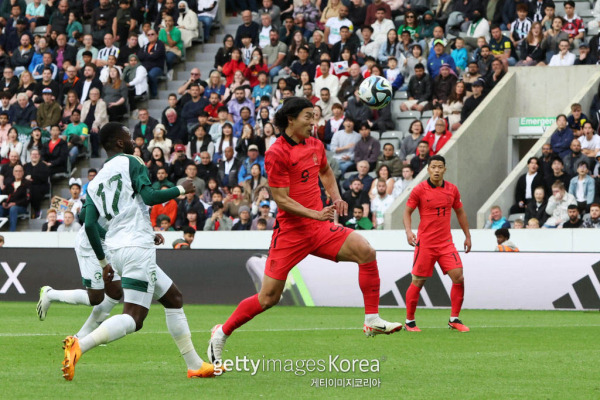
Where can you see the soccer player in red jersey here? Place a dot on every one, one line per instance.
(435, 199)
(294, 164)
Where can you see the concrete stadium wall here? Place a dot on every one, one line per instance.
(579, 84)
(477, 154)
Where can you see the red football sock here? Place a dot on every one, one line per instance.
(457, 294)
(245, 311)
(412, 299)
(368, 280)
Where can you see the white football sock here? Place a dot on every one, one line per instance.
(77, 296)
(98, 315)
(219, 333)
(370, 318)
(453, 319)
(110, 330)
(180, 331)
(408, 321)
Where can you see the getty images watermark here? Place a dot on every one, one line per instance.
(301, 367)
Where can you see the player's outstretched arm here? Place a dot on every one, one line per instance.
(410, 236)
(281, 195)
(328, 180)
(461, 215)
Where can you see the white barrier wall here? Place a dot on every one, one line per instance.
(542, 240)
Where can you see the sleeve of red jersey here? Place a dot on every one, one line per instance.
(323, 156)
(457, 200)
(277, 169)
(415, 198)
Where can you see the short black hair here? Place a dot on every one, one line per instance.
(364, 125)
(437, 157)
(419, 66)
(76, 111)
(504, 232)
(570, 3)
(292, 107)
(368, 27)
(533, 158)
(110, 133)
(94, 170)
(422, 141)
(572, 207)
(189, 230)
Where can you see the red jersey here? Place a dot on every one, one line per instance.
(435, 208)
(297, 166)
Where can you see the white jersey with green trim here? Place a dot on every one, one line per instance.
(82, 243)
(115, 193)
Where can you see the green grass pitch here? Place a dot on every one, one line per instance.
(507, 355)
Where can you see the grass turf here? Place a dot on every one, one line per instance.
(507, 354)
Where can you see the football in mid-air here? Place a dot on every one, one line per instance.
(375, 92)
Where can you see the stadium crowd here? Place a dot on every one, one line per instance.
(60, 87)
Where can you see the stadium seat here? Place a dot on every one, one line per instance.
(375, 134)
(395, 108)
(402, 95)
(392, 134)
(513, 217)
(373, 174)
(427, 114)
(412, 115)
(404, 124)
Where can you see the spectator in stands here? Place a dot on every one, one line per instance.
(563, 136)
(576, 119)
(94, 115)
(24, 111)
(153, 58)
(437, 58)
(362, 174)
(38, 175)
(59, 18)
(546, 160)
(275, 53)
(247, 170)
(574, 218)
(443, 84)
(372, 11)
(115, 95)
(168, 208)
(552, 37)
(355, 196)
(383, 172)
(419, 90)
(207, 12)
(335, 124)
(590, 142)
(531, 50)
(494, 76)
(192, 108)
(367, 148)
(18, 197)
(420, 161)
(218, 222)
(9, 82)
(266, 23)
(21, 57)
(71, 104)
(564, 57)
(264, 214)
(176, 129)
(162, 179)
(35, 143)
(557, 174)
(84, 86)
(389, 47)
(49, 112)
(51, 224)
(11, 144)
(350, 85)
(389, 158)
(533, 224)
(343, 143)
(244, 223)
(131, 47)
(594, 220)
(191, 170)
(145, 127)
(228, 168)
(403, 182)
(56, 152)
(318, 47)
(249, 138)
(536, 208)
(501, 47)
(108, 50)
(161, 141)
(206, 168)
(247, 27)
(170, 35)
(179, 162)
(582, 187)
(77, 134)
(135, 77)
(234, 201)
(187, 23)
(503, 239)
(558, 205)
(326, 103)
(87, 47)
(240, 101)
(380, 204)
(69, 224)
(226, 140)
(326, 80)
(496, 220)
(200, 143)
(526, 185)
(574, 158)
(438, 138)
(157, 161)
(573, 26)
(189, 204)
(359, 110)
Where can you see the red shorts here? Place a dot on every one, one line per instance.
(425, 258)
(290, 245)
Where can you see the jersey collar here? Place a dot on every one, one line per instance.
(290, 140)
(433, 186)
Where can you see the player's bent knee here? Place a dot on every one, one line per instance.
(460, 279)
(269, 300)
(95, 296)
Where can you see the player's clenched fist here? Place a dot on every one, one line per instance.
(188, 185)
(326, 214)
(108, 273)
(411, 238)
(341, 207)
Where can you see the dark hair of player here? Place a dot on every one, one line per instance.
(502, 232)
(437, 157)
(113, 131)
(292, 107)
(189, 230)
